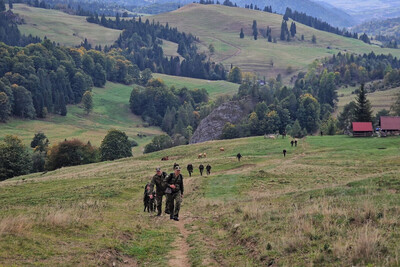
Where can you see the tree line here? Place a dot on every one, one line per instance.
(43, 78)
(16, 159)
(144, 39)
(177, 111)
(316, 23)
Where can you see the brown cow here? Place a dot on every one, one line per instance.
(200, 156)
(221, 149)
(204, 155)
(164, 158)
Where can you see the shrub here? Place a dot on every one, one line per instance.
(115, 145)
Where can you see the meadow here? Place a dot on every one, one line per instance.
(63, 28)
(332, 201)
(214, 88)
(220, 25)
(111, 110)
(379, 99)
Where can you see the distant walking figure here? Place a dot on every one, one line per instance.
(284, 153)
(201, 169)
(295, 142)
(238, 156)
(190, 169)
(322, 133)
(283, 135)
(292, 142)
(208, 168)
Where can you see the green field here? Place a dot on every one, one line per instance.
(379, 99)
(332, 201)
(220, 25)
(111, 110)
(214, 88)
(63, 28)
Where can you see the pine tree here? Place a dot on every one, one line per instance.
(10, 4)
(293, 29)
(2, 6)
(363, 107)
(87, 100)
(255, 30)
(241, 33)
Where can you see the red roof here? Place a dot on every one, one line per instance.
(362, 126)
(390, 123)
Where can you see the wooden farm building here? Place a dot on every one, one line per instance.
(361, 129)
(390, 125)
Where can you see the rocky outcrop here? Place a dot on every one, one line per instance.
(210, 128)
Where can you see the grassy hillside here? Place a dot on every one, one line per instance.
(333, 201)
(111, 110)
(220, 25)
(62, 28)
(214, 88)
(379, 99)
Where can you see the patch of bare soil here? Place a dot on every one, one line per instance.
(179, 256)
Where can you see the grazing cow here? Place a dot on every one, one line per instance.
(271, 137)
(164, 158)
(221, 149)
(204, 155)
(284, 153)
(200, 156)
(239, 156)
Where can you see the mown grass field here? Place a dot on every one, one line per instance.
(220, 25)
(332, 201)
(379, 99)
(214, 88)
(111, 110)
(63, 28)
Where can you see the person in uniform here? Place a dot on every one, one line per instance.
(175, 182)
(190, 169)
(159, 181)
(201, 169)
(208, 168)
(239, 156)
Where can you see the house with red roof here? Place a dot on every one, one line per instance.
(362, 129)
(390, 125)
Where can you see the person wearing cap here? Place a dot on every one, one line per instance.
(159, 181)
(175, 182)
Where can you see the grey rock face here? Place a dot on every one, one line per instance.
(210, 128)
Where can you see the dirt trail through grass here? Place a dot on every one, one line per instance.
(179, 256)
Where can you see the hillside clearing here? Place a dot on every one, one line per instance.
(220, 25)
(332, 201)
(63, 28)
(111, 110)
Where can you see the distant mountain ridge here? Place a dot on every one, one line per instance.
(388, 27)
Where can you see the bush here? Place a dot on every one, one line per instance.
(14, 158)
(132, 142)
(70, 153)
(158, 143)
(115, 145)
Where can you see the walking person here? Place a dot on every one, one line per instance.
(208, 168)
(201, 169)
(239, 156)
(292, 142)
(190, 169)
(175, 182)
(295, 142)
(284, 153)
(159, 181)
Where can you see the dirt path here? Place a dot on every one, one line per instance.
(179, 256)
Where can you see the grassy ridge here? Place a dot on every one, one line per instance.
(220, 25)
(63, 28)
(214, 88)
(111, 110)
(332, 201)
(379, 99)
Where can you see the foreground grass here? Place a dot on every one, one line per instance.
(63, 28)
(333, 201)
(111, 110)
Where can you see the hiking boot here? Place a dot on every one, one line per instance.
(158, 214)
(167, 212)
(176, 219)
(171, 217)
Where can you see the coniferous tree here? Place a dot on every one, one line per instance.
(293, 29)
(255, 30)
(241, 35)
(10, 4)
(5, 107)
(2, 6)
(87, 100)
(363, 107)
